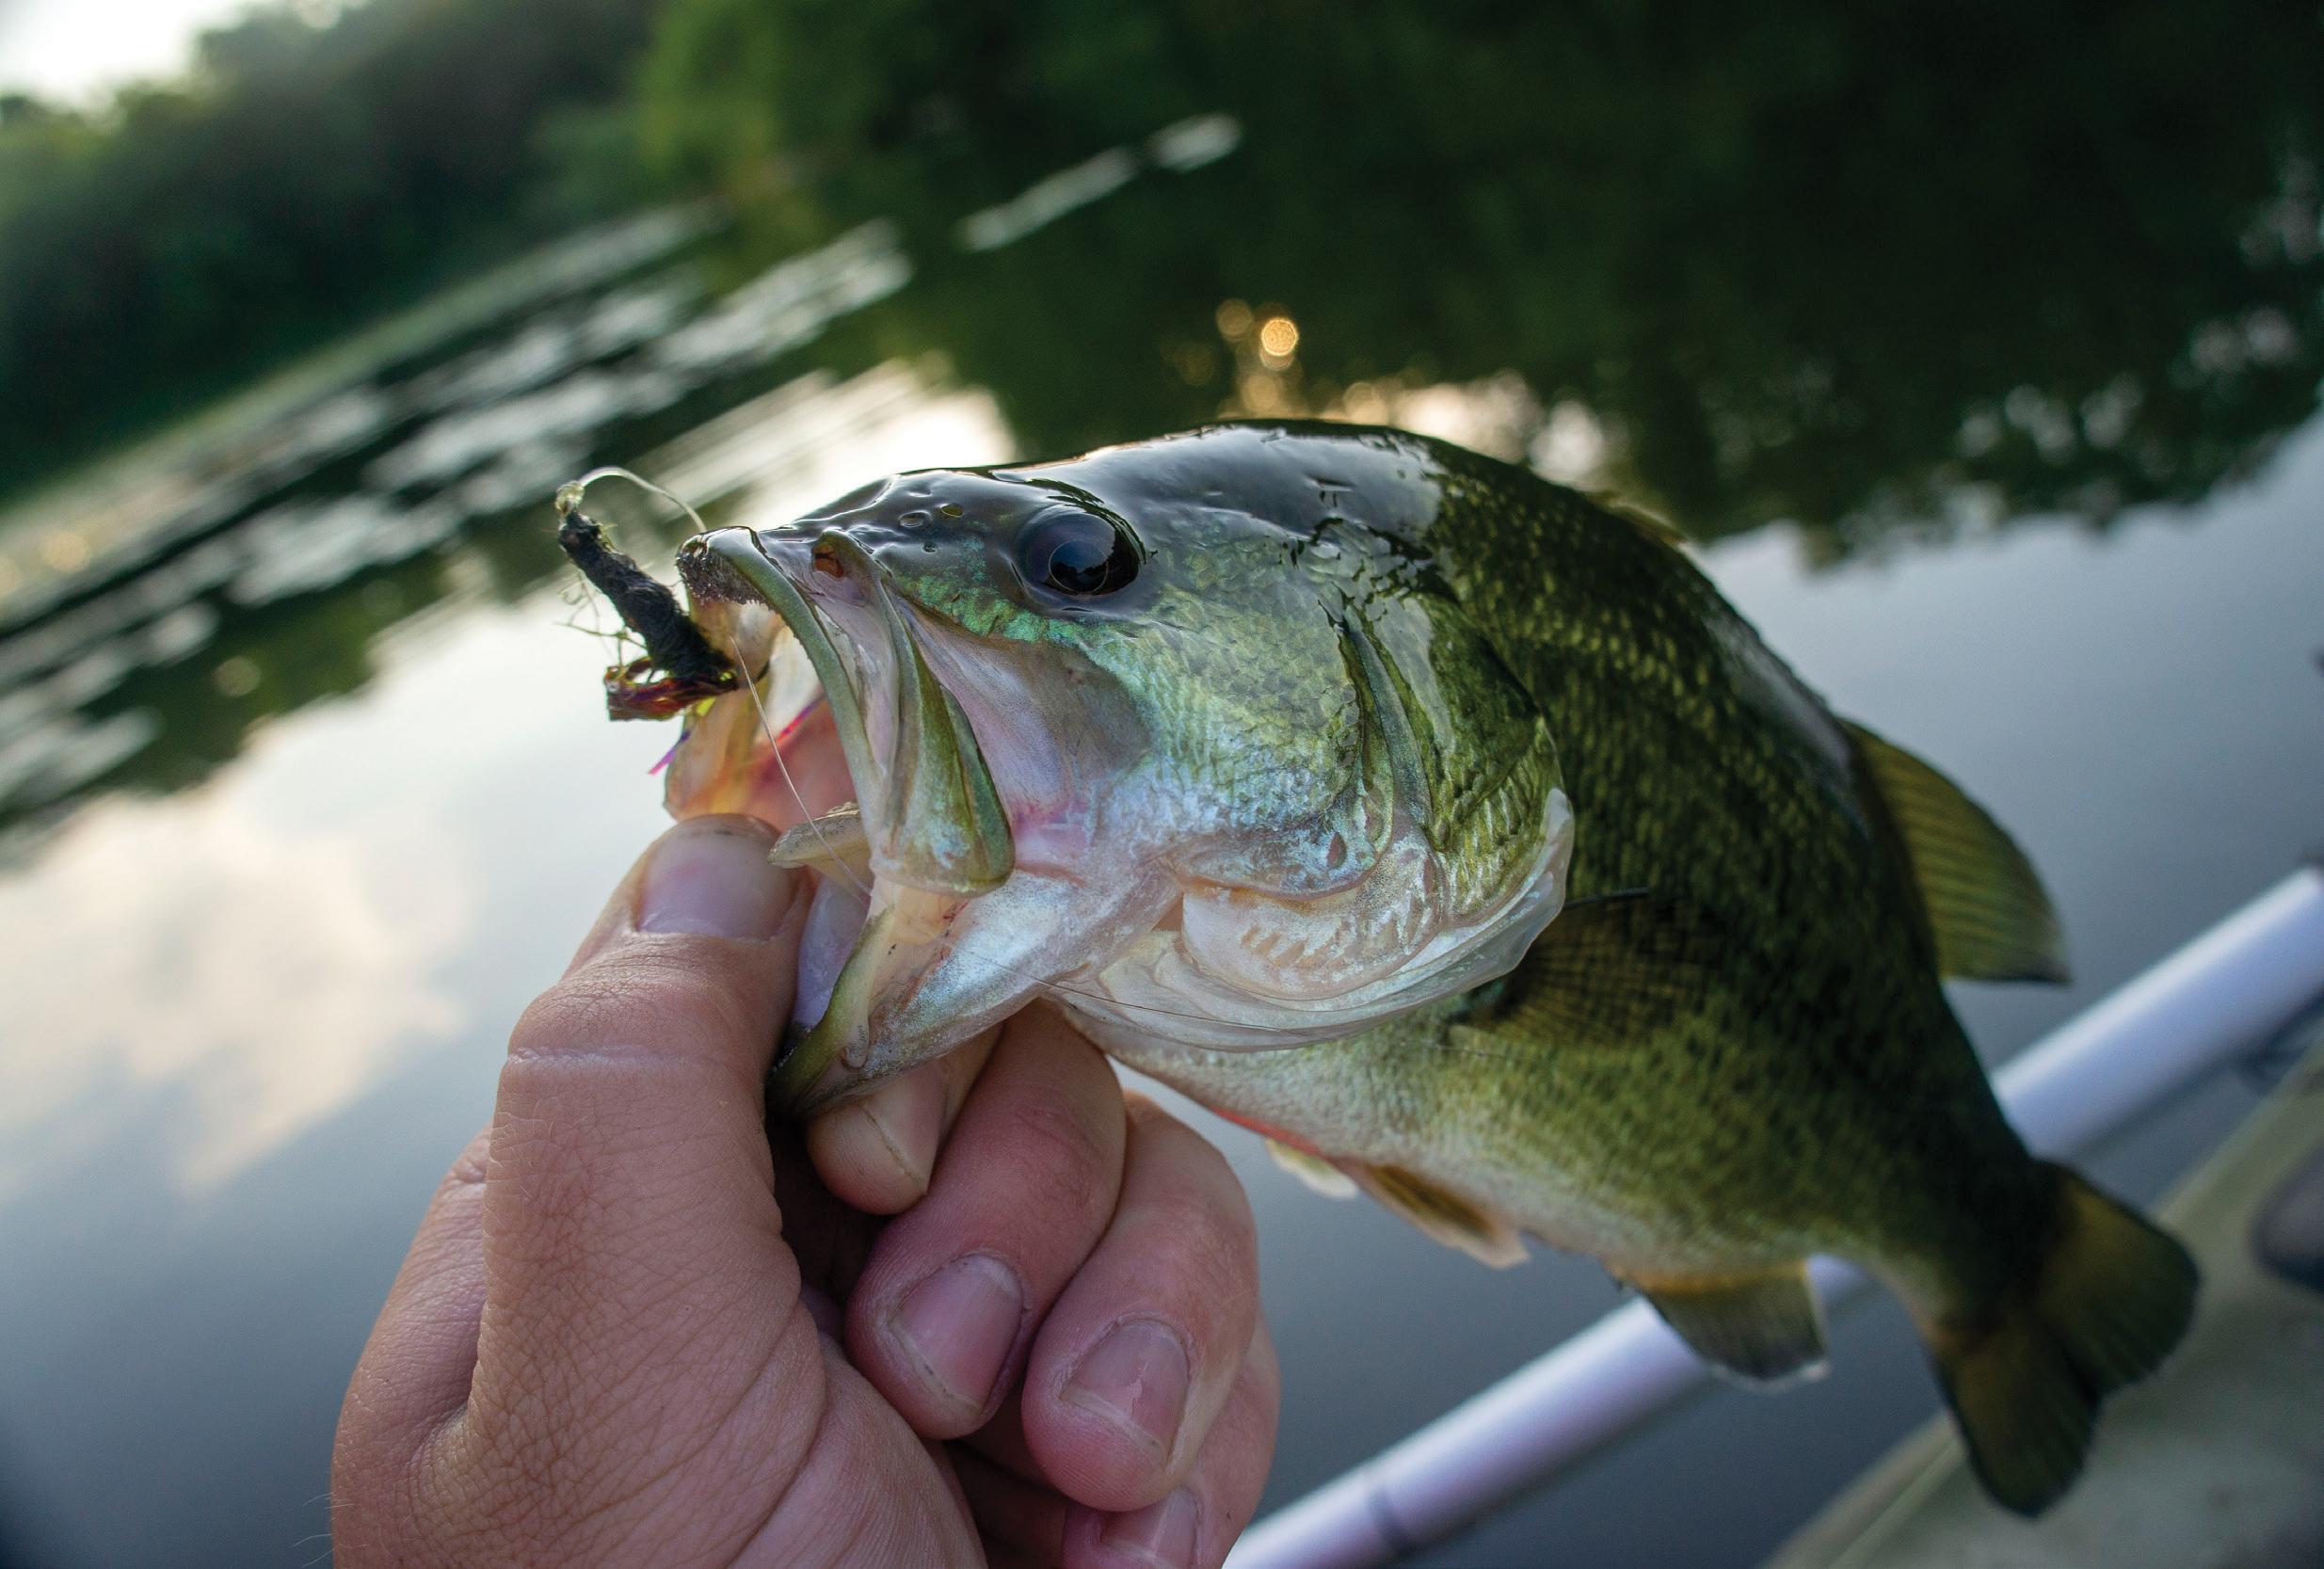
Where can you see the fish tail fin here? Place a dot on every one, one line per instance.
(2109, 1299)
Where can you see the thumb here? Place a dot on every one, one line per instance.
(637, 1284)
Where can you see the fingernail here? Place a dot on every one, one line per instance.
(713, 881)
(959, 1324)
(1160, 1535)
(1136, 1379)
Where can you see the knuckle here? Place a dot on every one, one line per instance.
(1198, 1216)
(1189, 1192)
(658, 992)
(1056, 1150)
(1218, 1269)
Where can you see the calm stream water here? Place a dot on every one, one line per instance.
(308, 788)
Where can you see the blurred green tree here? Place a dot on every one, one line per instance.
(302, 178)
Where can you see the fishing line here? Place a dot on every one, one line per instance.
(570, 493)
(1207, 1019)
(766, 726)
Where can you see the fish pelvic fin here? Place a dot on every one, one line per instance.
(1440, 1213)
(1313, 1170)
(1759, 1327)
(1987, 912)
(2109, 1300)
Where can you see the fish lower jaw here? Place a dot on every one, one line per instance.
(847, 741)
(861, 948)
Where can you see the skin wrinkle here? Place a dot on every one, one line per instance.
(519, 1419)
(561, 1164)
(755, 1393)
(615, 1500)
(453, 1229)
(638, 1278)
(843, 1421)
(721, 1335)
(905, 1163)
(612, 1402)
(666, 1005)
(1041, 1138)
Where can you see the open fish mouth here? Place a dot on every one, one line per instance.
(846, 740)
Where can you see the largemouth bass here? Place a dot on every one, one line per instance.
(1448, 828)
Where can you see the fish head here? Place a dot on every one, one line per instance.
(1187, 737)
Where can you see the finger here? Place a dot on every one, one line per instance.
(415, 1369)
(1140, 1351)
(632, 1251)
(876, 1153)
(1015, 1501)
(943, 1314)
(1197, 1523)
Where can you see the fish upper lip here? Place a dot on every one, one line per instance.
(734, 565)
(941, 835)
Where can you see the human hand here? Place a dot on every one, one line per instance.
(617, 1338)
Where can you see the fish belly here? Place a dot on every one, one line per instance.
(1703, 1148)
(1411, 1099)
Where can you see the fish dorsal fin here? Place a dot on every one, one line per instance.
(1313, 1170)
(1986, 908)
(1760, 1326)
(1440, 1213)
(1643, 517)
(1609, 971)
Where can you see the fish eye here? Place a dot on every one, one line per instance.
(1078, 553)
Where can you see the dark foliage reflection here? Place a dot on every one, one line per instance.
(1850, 264)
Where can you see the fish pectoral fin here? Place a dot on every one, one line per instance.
(1610, 971)
(1762, 1327)
(834, 844)
(1987, 911)
(1313, 1170)
(1441, 1213)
